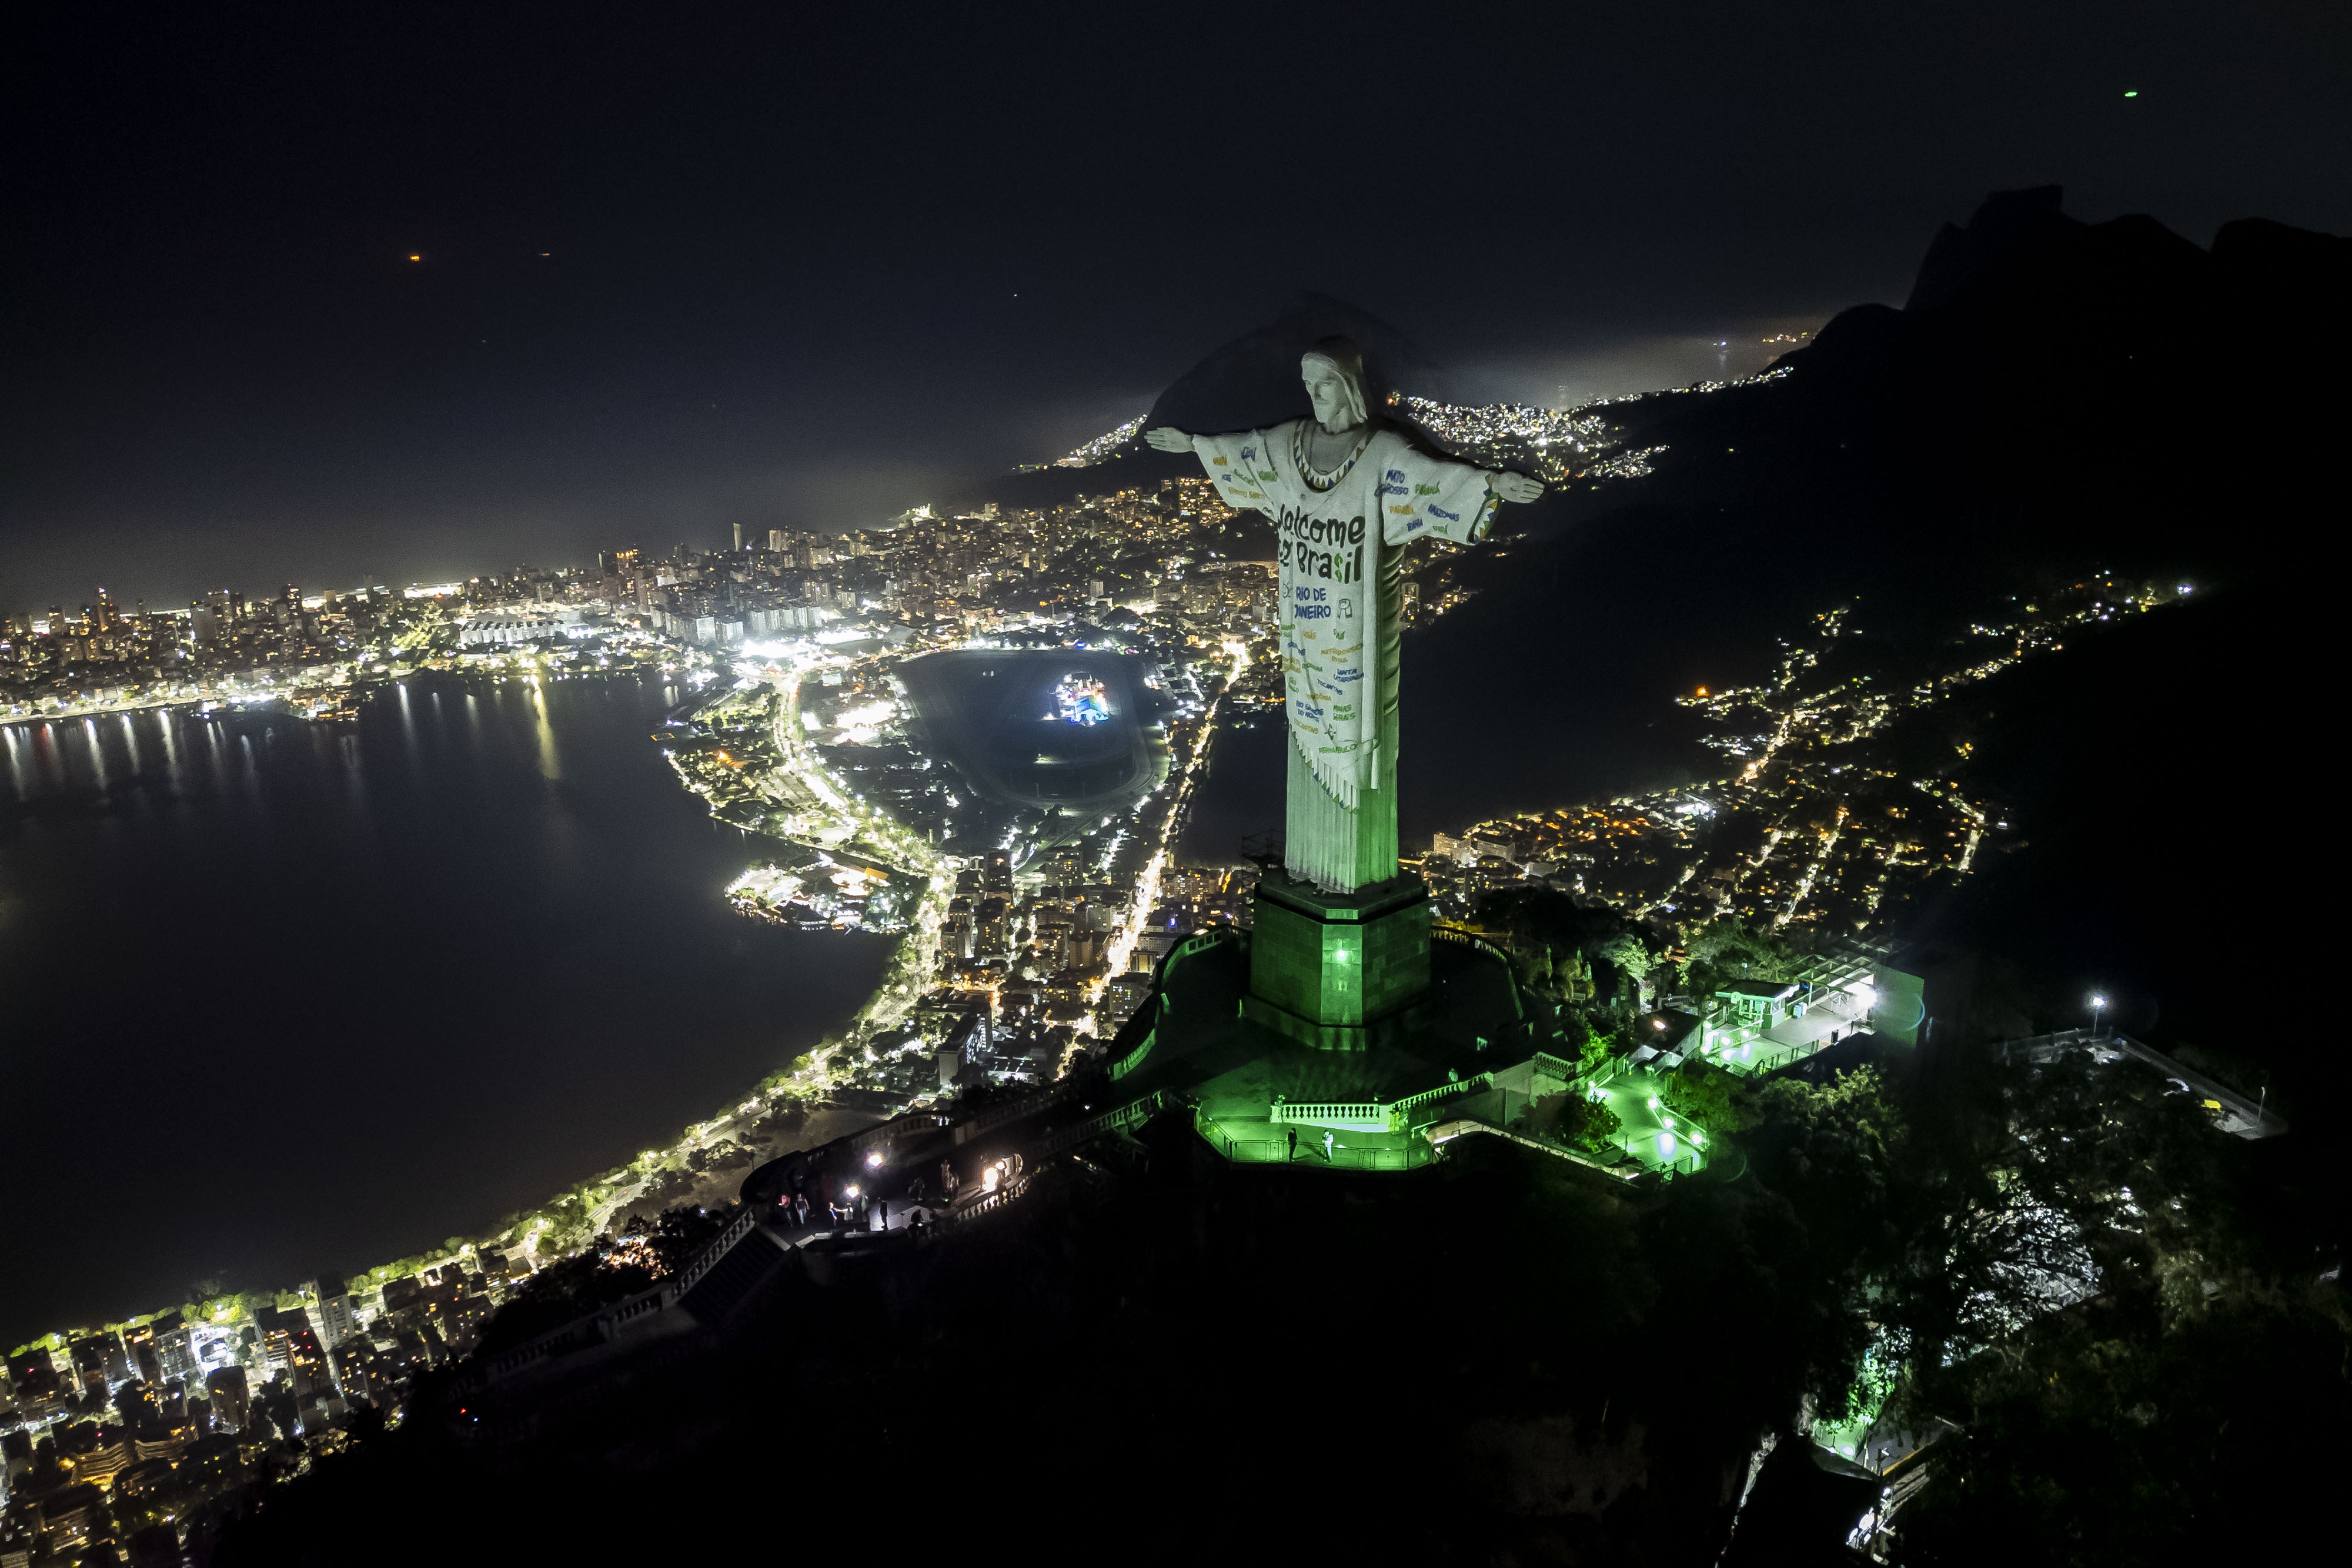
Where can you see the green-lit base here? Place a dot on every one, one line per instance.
(1337, 971)
(1251, 1083)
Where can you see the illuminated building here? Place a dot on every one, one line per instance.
(225, 1389)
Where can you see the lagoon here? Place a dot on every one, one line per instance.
(282, 1000)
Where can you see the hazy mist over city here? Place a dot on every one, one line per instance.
(637, 307)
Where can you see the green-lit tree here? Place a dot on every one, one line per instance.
(1571, 1118)
(1713, 1098)
(1726, 948)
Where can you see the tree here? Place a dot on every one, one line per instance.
(1584, 1041)
(1726, 948)
(1571, 1118)
(1835, 1152)
(1553, 935)
(1709, 1096)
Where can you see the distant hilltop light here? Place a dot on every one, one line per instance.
(416, 258)
(2131, 92)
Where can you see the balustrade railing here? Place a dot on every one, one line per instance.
(1119, 1116)
(606, 1323)
(1012, 1111)
(1477, 1082)
(906, 1124)
(1461, 939)
(1370, 1115)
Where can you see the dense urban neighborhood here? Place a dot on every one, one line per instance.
(1662, 956)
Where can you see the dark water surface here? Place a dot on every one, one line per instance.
(279, 1001)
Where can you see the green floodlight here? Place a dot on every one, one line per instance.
(2132, 93)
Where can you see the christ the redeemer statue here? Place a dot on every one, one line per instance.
(1347, 493)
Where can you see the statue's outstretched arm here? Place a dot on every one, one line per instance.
(1168, 438)
(1517, 487)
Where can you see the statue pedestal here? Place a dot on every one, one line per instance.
(1327, 969)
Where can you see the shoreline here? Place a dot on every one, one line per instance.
(574, 1216)
(609, 1197)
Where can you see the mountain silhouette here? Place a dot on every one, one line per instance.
(2055, 398)
(1253, 380)
(2059, 397)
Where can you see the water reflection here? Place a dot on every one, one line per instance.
(549, 766)
(474, 961)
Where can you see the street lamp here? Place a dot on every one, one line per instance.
(2098, 1006)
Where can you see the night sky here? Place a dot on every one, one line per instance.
(677, 270)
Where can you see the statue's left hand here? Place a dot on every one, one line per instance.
(1517, 487)
(1168, 438)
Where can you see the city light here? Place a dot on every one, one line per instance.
(801, 733)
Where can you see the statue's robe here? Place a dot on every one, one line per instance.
(1341, 555)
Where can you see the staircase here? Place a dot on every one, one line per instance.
(735, 1279)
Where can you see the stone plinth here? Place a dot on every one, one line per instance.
(1328, 969)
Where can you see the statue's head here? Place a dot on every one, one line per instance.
(1334, 372)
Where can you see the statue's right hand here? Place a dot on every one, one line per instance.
(1168, 438)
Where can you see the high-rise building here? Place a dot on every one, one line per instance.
(738, 539)
(212, 616)
(958, 930)
(225, 1387)
(776, 541)
(335, 1319)
(307, 1362)
(16, 1456)
(34, 1377)
(91, 1356)
(361, 1373)
(176, 1349)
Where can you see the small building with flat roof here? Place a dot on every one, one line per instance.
(1759, 1003)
